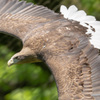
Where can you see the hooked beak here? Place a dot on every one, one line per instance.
(10, 62)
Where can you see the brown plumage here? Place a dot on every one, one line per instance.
(61, 43)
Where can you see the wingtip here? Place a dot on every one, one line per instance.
(73, 7)
(72, 13)
(67, 13)
(63, 9)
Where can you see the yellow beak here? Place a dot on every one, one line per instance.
(10, 62)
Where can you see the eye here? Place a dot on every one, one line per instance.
(17, 57)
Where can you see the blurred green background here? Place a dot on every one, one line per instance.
(33, 81)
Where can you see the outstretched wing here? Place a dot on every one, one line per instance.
(19, 18)
(92, 64)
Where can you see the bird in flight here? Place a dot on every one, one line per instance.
(68, 42)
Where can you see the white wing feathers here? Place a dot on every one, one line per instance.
(93, 26)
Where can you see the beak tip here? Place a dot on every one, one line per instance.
(10, 63)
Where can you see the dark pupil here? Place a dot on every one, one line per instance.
(19, 57)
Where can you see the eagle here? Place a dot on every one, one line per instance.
(68, 42)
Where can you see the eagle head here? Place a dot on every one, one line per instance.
(26, 55)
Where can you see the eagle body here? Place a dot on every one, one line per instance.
(66, 43)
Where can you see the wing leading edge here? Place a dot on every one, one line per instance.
(19, 18)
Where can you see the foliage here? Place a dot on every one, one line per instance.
(25, 82)
(92, 7)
